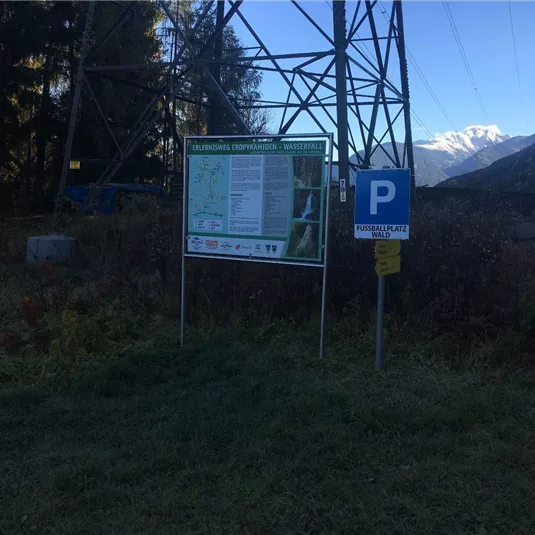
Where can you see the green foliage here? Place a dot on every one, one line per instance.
(40, 46)
(103, 332)
(35, 40)
(135, 42)
(64, 342)
(464, 292)
(241, 84)
(458, 259)
(57, 320)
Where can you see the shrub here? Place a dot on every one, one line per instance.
(460, 276)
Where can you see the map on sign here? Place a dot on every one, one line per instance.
(209, 192)
(261, 199)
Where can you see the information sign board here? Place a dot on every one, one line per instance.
(256, 199)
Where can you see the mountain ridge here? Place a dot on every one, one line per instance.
(513, 173)
(488, 155)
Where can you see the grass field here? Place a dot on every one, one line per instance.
(250, 433)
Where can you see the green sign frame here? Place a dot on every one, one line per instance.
(256, 199)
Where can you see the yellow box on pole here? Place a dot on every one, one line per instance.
(386, 248)
(74, 164)
(388, 266)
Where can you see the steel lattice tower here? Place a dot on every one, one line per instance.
(354, 84)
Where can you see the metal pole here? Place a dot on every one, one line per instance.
(340, 46)
(221, 95)
(405, 90)
(74, 113)
(173, 106)
(380, 321)
(326, 250)
(184, 237)
(214, 120)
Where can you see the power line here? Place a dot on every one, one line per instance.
(460, 46)
(422, 76)
(421, 123)
(430, 89)
(516, 56)
(414, 115)
(514, 44)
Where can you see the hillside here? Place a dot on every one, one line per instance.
(512, 173)
(488, 155)
(427, 166)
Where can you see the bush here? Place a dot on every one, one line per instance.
(461, 276)
(460, 271)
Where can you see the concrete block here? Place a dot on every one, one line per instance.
(54, 248)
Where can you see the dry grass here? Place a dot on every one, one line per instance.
(252, 434)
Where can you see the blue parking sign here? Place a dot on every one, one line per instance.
(382, 204)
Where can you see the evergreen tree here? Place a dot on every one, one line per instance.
(40, 45)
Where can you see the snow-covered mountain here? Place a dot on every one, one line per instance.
(454, 147)
(434, 157)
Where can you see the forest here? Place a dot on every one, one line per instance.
(40, 45)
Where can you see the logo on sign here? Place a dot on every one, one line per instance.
(212, 244)
(268, 248)
(258, 247)
(274, 248)
(237, 247)
(226, 246)
(197, 243)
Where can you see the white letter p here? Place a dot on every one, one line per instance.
(375, 198)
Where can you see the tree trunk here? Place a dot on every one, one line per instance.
(72, 72)
(41, 131)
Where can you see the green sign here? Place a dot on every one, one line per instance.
(258, 147)
(256, 199)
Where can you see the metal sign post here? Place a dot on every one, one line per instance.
(380, 318)
(257, 199)
(382, 203)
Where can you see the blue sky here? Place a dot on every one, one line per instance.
(485, 30)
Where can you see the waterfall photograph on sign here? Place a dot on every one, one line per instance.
(306, 205)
